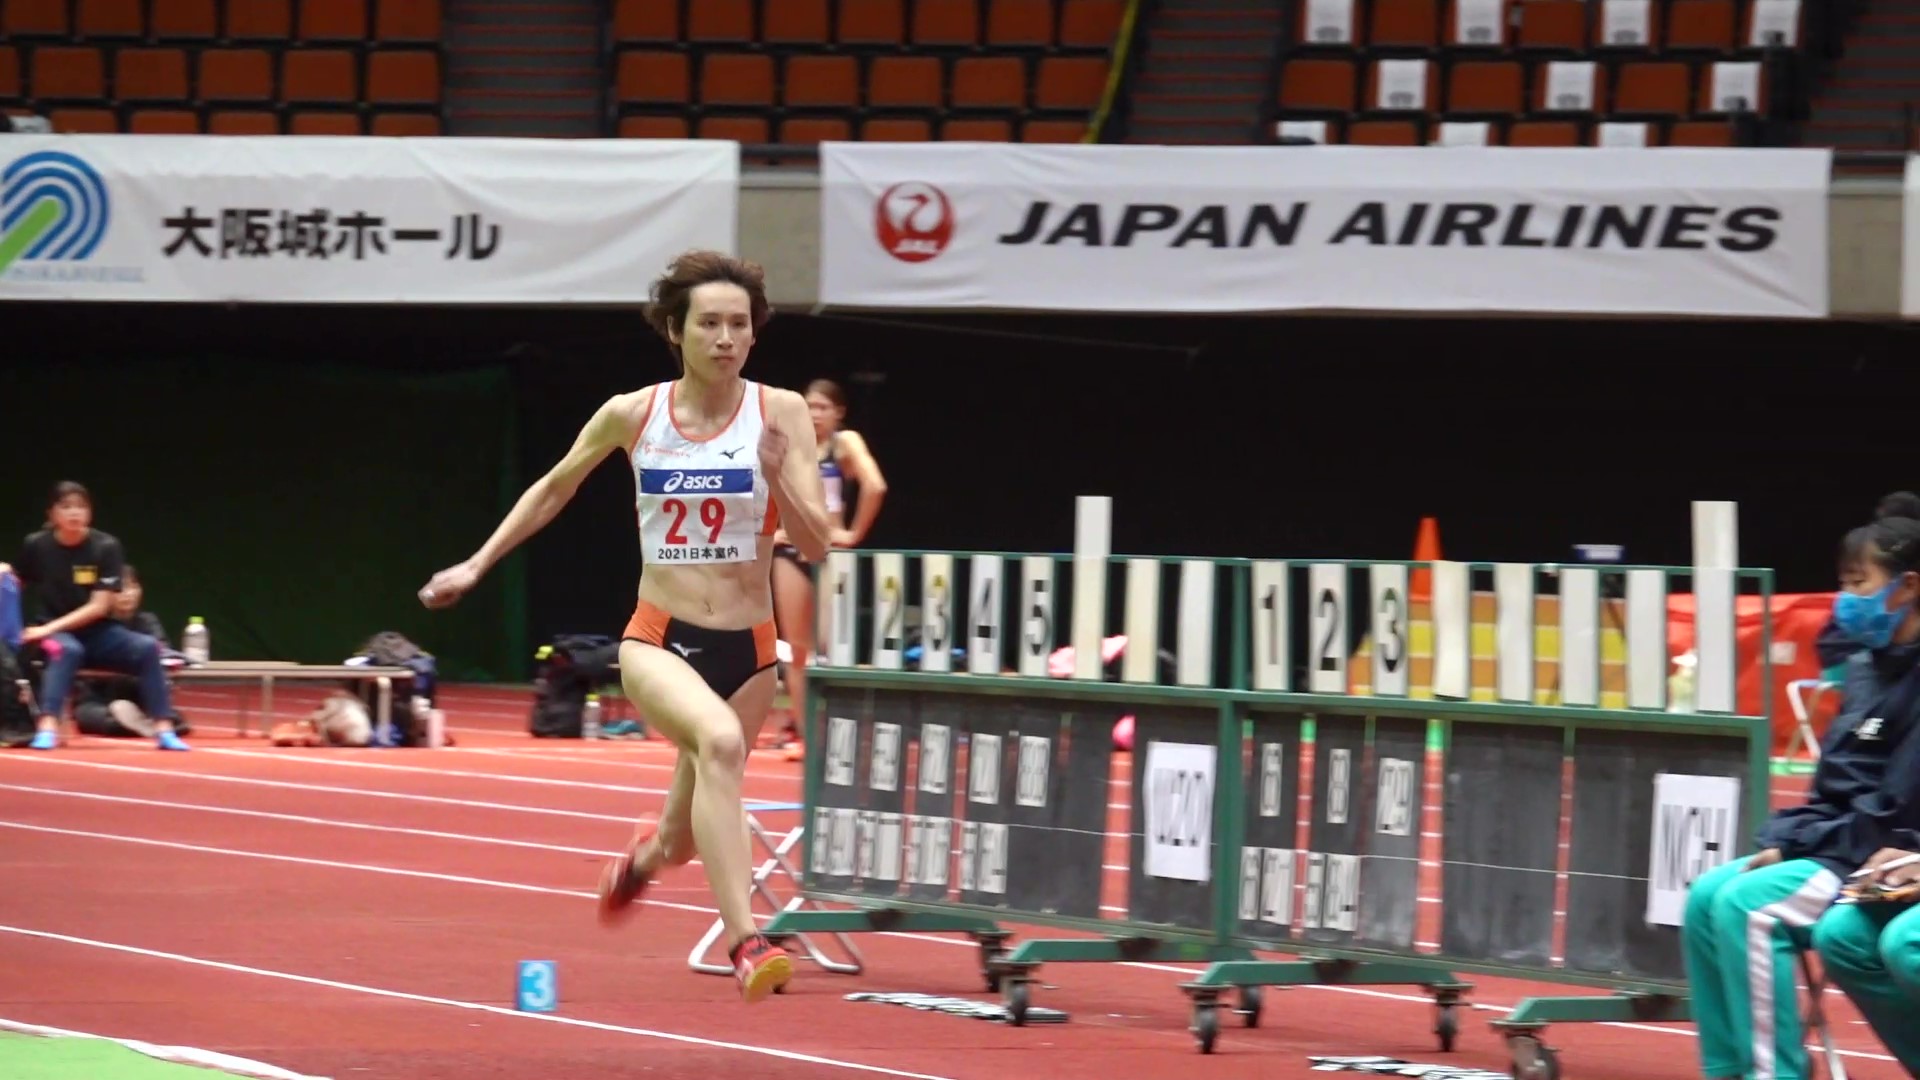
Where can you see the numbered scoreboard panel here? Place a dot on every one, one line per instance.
(944, 797)
(1171, 844)
(1351, 875)
(1501, 841)
(1269, 853)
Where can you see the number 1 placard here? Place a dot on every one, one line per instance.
(1270, 668)
(843, 589)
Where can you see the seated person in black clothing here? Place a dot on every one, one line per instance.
(69, 573)
(111, 706)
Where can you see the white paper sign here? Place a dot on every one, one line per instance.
(1696, 825)
(1178, 788)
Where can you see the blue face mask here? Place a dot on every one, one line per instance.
(1866, 619)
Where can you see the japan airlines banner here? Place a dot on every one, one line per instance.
(299, 219)
(1084, 227)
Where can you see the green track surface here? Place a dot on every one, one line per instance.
(43, 1057)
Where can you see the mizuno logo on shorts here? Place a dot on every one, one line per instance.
(696, 481)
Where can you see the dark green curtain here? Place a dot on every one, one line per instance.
(297, 507)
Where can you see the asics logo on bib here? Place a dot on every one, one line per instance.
(696, 481)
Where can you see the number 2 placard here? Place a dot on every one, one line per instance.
(889, 609)
(1327, 626)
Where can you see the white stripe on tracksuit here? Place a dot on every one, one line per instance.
(1801, 910)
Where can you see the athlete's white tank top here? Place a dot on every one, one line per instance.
(701, 501)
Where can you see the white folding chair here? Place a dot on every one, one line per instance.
(1801, 695)
(1816, 1019)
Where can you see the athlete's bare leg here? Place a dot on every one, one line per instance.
(671, 841)
(713, 738)
(793, 613)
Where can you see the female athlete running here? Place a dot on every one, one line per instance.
(844, 456)
(719, 464)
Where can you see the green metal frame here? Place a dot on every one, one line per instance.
(1229, 954)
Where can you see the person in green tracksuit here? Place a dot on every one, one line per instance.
(1746, 920)
(1871, 950)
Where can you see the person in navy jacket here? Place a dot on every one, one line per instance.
(1746, 920)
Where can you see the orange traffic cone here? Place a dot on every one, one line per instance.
(1426, 548)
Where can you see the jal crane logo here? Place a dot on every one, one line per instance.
(913, 221)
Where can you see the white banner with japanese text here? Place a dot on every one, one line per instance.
(1250, 229)
(356, 220)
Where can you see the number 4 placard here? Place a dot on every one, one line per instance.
(983, 651)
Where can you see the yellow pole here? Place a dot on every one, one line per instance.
(1122, 40)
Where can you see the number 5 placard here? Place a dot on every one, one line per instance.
(1036, 614)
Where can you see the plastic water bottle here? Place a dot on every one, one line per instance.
(590, 718)
(196, 642)
(1680, 684)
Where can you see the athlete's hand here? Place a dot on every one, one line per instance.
(773, 448)
(449, 585)
(840, 538)
(780, 537)
(1764, 859)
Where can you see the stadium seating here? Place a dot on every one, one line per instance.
(796, 72)
(1541, 72)
(227, 67)
(801, 71)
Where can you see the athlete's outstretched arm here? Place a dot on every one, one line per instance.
(793, 477)
(609, 428)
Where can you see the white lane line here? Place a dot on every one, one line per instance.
(475, 1006)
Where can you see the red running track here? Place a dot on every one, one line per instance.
(361, 913)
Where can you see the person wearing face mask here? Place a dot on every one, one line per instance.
(1745, 920)
(1832, 645)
